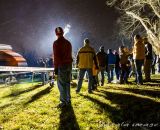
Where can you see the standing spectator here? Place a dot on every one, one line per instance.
(85, 58)
(111, 65)
(158, 63)
(62, 51)
(154, 61)
(148, 60)
(102, 61)
(95, 75)
(117, 67)
(138, 56)
(132, 70)
(42, 63)
(123, 65)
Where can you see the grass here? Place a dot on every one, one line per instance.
(33, 107)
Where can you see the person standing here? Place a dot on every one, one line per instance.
(62, 54)
(148, 60)
(138, 56)
(42, 63)
(123, 65)
(102, 61)
(117, 65)
(111, 65)
(84, 61)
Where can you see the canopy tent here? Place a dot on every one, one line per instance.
(10, 58)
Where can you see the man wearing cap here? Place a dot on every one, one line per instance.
(62, 51)
(85, 58)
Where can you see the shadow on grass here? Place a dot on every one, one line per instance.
(5, 105)
(39, 95)
(17, 93)
(132, 109)
(151, 93)
(135, 108)
(68, 119)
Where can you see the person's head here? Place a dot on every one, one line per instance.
(101, 49)
(137, 38)
(59, 32)
(86, 42)
(121, 49)
(115, 52)
(145, 39)
(109, 51)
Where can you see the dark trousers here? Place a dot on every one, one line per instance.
(147, 68)
(117, 71)
(124, 74)
(138, 68)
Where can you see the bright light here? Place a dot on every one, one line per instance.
(67, 29)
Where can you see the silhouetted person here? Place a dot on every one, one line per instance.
(148, 60)
(117, 67)
(138, 56)
(102, 61)
(62, 51)
(111, 65)
(85, 58)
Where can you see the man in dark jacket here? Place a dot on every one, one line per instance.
(102, 61)
(62, 51)
(111, 65)
(148, 60)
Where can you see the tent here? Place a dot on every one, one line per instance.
(10, 58)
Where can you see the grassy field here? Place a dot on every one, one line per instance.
(33, 107)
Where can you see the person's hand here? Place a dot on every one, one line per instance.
(56, 71)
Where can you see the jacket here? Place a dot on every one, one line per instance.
(139, 50)
(102, 59)
(148, 51)
(85, 57)
(123, 58)
(62, 51)
(111, 58)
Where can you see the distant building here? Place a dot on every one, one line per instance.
(10, 58)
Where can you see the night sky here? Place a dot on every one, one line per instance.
(28, 25)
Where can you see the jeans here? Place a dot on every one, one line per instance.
(110, 72)
(81, 76)
(138, 67)
(101, 73)
(117, 71)
(64, 77)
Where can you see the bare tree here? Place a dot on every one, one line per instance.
(139, 15)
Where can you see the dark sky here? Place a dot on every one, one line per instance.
(28, 25)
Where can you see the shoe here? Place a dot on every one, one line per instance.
(77, 92)
(61, 105)
(102, 84)
(68, 102)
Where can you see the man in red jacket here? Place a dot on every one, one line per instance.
(62, 50)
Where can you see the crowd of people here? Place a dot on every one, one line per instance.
(124, 63)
